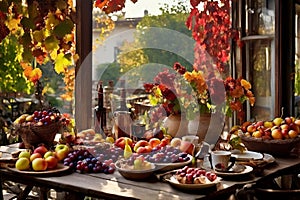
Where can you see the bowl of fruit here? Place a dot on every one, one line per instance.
(38, 127)
(278, 136)
(189, 178)
(139, 170)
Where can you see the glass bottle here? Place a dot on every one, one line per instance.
(108, 92)
(100, 111)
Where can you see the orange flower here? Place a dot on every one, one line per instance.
(237, 92)
(236, 105)
(35, 75)
(27, 72)
(252, 100)
(196, 77)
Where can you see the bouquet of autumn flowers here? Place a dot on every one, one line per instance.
(191, 93)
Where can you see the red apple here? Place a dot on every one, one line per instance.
(251, 128)
(35, 156)
(120, 142)
(154, 142)
(52, 162)
(284, 126)
(141, 150)
(148, 148)
(294, 127)
(297, 121)
(288, 120)
(293, 134)
(39, 164)
(259, 123)
(41, 149)
(285, 132)
(276, 134)
(140, 143)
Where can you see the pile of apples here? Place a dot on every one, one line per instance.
(154, 144)
(278, 128)
(41, 159)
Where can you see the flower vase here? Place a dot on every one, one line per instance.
(176, 125)
(199, 126)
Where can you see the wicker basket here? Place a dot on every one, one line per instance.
(34, 135)
(274, 147)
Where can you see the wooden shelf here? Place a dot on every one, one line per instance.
(258, 37)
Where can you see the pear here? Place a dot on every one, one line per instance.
(127, 150)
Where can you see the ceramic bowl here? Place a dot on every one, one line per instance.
(133, 174)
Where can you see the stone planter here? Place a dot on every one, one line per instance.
(177, 125)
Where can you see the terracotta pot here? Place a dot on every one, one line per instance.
(176, 125)
(199, 125)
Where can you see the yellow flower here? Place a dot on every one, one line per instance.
(245, 84)
(196, 77)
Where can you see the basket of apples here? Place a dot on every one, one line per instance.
(278, 136)
(39, 127)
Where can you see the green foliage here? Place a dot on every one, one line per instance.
(11, 72)
(153, 45)
(108, 71)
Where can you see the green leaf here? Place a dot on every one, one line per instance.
(61, 4)
(27, 55)
(61, 63)
(51, 43)
(27, 23)
(38, 35)
(63, 28)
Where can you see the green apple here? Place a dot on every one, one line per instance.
(61, 151)
(25, 154)
(22, 164)
(49, 153)
(39, 164)
(60, 147)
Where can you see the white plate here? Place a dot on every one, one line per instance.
(173, 181)
(268, 158)
(247, 170)
(247, 155)
(172, 166)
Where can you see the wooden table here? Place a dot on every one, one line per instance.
(114, 186)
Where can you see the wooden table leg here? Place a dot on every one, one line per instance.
(1, 188)
(24, 193)
(43, 193)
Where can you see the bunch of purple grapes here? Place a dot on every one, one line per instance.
(167, 154)
(93, 161)
(46, 116)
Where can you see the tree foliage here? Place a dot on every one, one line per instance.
(11, 72)
(151, 44)
(43, 32)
